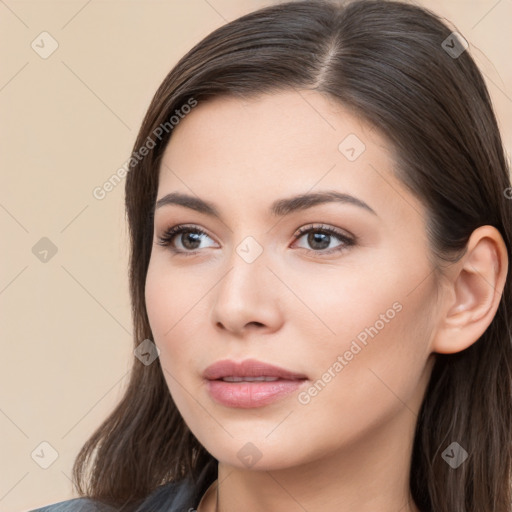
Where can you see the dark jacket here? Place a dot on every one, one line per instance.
(182, 496)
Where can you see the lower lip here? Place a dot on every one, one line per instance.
(246, 395)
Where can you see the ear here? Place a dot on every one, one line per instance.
(472, 292)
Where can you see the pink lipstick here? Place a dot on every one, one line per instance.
(250, 383)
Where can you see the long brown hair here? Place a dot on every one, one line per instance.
(391, 64)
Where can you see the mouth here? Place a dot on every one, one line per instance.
(249, 379)
(250, 383)
(249, 369)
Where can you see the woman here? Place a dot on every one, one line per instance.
(320, 236)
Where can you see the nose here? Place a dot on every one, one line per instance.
(247, 298)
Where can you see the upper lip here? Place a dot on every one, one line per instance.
(248, 368)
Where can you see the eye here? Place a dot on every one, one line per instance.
(189, 242)
(320, 237)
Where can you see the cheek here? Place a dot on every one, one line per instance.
(176, 316)
(352, 398)
(163, 312)
(387, 305)
(169, 308)
(172, 299)
(158, 302)
(378, 355)
(379, 323)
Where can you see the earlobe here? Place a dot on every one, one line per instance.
(474, 290)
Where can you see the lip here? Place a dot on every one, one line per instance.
(250, 394)
(248, 368)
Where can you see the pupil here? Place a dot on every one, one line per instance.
(185, 238)
(313, 238)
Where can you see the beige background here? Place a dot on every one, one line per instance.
(68, 123)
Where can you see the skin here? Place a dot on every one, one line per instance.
(298, 307)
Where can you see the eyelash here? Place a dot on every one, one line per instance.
(166, 239)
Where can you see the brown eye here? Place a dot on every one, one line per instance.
(319, 238)
(190, 238)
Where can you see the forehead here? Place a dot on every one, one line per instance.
(290, 124)
(280, 144)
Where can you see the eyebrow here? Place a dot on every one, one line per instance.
(278, 208)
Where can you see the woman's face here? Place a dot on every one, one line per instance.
(350, 313)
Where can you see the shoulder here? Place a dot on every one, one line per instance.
(181, 495)
(75, 505)
(178, 496)
(170, 497)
